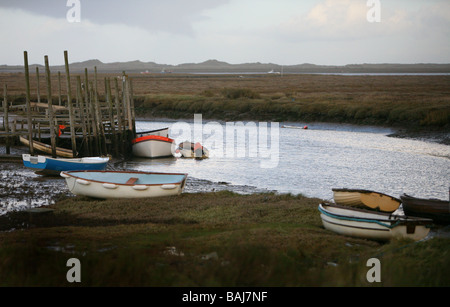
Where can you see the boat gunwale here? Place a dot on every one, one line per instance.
(82, 160)
(363, 191)
(68, 173)
(408, 197)
(147, 138)
(150, 131)
(399, 219)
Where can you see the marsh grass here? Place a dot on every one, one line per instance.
(203, 239)
(418, 102)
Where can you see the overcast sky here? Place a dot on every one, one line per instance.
(286, 32)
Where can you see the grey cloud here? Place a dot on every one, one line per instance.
(174, 16)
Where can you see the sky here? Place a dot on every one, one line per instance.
(284, 32)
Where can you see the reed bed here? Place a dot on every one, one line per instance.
(416, 102)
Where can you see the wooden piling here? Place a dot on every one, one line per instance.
(69, 104)
(50, 108)
(94, 122)
(90, 122)
(82, 116)
(111, 116)
(119, 112)
(5, 118)
(38, 87)
(133, 115)
(99, 115)
(59, 89)
(27, 84)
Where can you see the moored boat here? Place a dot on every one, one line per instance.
(373, 225)
(161, 132)
(192, 150)
(44, 165)
(124, 184)
(365, 198)
(153, 146)
(435, 209)
(39, 146)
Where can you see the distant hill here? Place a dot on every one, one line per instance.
(215, 66)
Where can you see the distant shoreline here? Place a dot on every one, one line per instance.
(219, 67)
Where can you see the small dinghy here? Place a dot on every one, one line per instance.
(44, 165)
(365, 198)
(192, 150)
(124, 184)
(373, 225)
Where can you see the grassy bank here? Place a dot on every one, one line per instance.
(204, 239)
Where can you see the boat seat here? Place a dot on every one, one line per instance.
(132, 180)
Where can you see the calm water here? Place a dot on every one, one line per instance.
(309, 162)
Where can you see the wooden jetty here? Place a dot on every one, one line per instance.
(83, 124)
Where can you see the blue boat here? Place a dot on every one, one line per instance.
(44, 165)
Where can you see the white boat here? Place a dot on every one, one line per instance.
(124, 184)
(373, 225)
(153, 146)
(366, 198)
(192, 150)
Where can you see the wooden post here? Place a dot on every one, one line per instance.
(5, 118)
(111, 116)
(99, 114)
(119, 114)
(30, 123)
(69, 104)
(133, 115)
(129, 134)
(38, 89)
(59, 88)
(89, 114)
(127, 101)
(94, 121)
(82, 116)
(50, 108)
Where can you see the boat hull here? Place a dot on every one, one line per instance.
(372, 225)
(435, 209)
(366, 198)
(121, 184)
(153, 146)
(192, 150)
(54, 166)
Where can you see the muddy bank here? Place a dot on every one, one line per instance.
(21, 188)
(441, 137)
